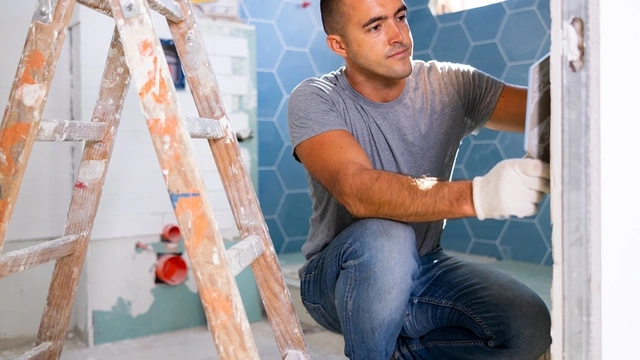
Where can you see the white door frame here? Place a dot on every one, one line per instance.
(575, 198)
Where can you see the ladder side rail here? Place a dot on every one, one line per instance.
(26, 102)
(237, 183)
(101, 6)
(166, 8)
(85, 200)
(216, 285)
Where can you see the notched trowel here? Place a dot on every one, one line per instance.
(537, 131)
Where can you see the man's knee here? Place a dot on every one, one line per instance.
(383, 253)
(531, 329)
(386, 238)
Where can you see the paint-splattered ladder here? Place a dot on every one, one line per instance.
(136, 53)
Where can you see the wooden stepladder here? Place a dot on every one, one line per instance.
(136, 54)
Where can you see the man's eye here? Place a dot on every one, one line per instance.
(402, 17)
(375, 28)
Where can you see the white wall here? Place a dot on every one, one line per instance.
(135, 204)
(620, 195)
(46, 187)
(45, 193)
(135, 200)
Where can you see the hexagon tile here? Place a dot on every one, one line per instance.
(290, 48)
(502, 39)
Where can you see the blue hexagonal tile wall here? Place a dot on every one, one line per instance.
(485, 229)
(511, 144)
(488, 58)
(294, 214)
(484, 135)
(324, 59)
(262, 9)
(456, 236)
(269, 94)
(296, 25)
(276, 234)
(502, 39)
(268, 45)
(519, 4)
(451, 44)
(270, 192)
(522, 241)
(479, 28)
(544, 11)
(271, 143)
(450, 18)
(412, 4)
(294, 175)
(490, 249)
(423, 28)
(518, 74)
(519, 45)
(294, 67)
(481, 158)
(282, 121)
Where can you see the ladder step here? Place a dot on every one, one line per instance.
(167, 8)
(37, 353)
(27, 258)
(295, 355)
(203, 128)
(71, 130)
(245, 252)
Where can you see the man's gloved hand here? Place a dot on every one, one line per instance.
(513, 187)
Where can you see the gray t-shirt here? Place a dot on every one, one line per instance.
(418, 134)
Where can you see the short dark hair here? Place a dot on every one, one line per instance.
(331, 16)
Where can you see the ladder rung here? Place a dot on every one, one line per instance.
(71, 130)
(166, 8)
(203, 128)
(242, 254)
(38, 352)
(295, 355)
(27, 258)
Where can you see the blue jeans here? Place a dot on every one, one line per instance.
(370, 285)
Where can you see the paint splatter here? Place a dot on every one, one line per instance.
(80, 185)
(91, 170)
(176, 197)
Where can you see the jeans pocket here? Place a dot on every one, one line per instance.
(322, 317)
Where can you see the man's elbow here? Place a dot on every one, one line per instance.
(350, 197)
(355, 207)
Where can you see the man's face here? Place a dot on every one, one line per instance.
(376, 37)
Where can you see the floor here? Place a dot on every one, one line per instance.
(197, 343)
(192, 344)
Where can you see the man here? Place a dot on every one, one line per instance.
(378, 139)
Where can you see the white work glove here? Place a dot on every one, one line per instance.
(513, 187)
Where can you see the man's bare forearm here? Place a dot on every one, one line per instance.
(368, 193)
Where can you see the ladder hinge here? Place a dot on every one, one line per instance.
(44, 11)
(130, 8)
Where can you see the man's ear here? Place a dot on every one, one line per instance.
(336, 44)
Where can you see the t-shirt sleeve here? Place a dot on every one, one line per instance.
(479, 93)
(312, 111)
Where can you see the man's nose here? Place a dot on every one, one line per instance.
(395, 34)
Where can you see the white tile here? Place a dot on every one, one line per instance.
(233, 85)
(226, 46)
(221, 65)
(127, 225)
